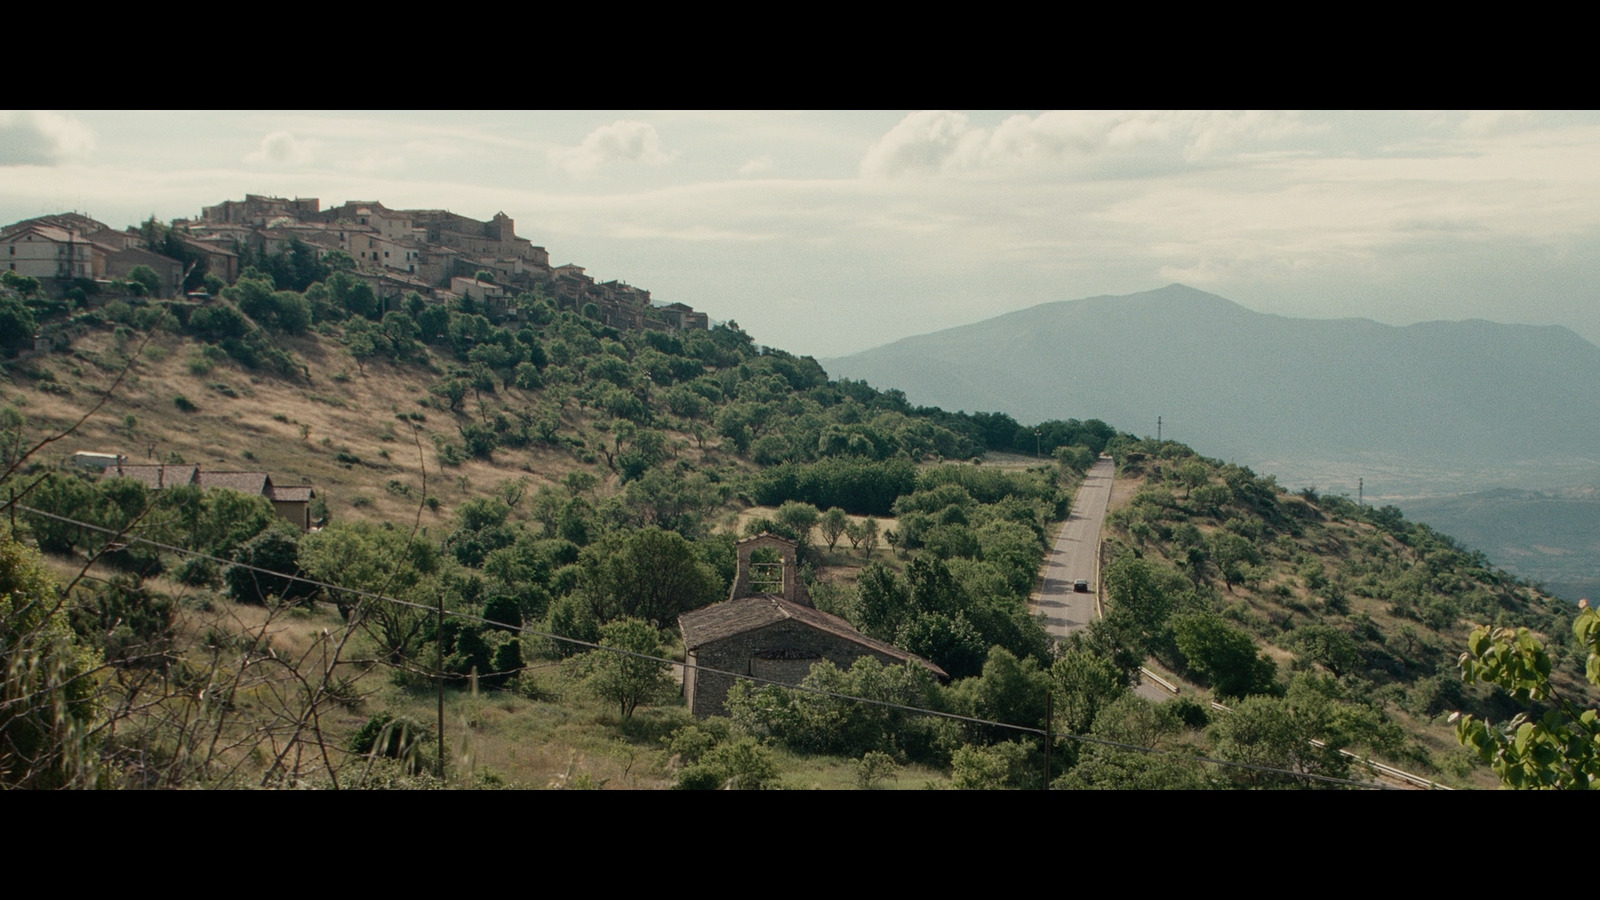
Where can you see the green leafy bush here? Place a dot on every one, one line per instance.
(386, 736)
(741, 765)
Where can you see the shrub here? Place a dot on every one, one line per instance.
(184, 404)
(48, 702)
(1007, 766)
(264, 569)
(197, 572)
(387, 736)
(742, 765)
(874, 768)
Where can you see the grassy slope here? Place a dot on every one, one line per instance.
(264, 426)
(295, 431)
(554, 734)
(1405, 637)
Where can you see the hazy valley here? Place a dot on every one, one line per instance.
(1417, 416)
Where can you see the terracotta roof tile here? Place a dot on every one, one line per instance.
(243, 482)
(730, 617)
(154, 477)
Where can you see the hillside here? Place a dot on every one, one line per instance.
(491, 491)
(538, 471)
(1438, 405)
(1318, 585)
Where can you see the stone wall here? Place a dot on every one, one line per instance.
(783, 651)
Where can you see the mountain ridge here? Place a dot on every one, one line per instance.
(1260, 386)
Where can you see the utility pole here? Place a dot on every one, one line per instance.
(1049, 733)
(1361, 484)
(1158, 429)
(438, 652)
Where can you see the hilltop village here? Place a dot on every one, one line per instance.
(440, 255)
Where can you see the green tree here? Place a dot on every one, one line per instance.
(1231, 553)
(819, 721)
(1131, 720)
(1013, 765)
(1141, 599)
(1302, 732)
(16, 325)
(26, 285)
(1010, 690)
(1193, 475)
(627, 678)
(47, 699)
(63, 495)
(882, 601)
(740, 765)
(267, 569)
(452, 389)
(1332, 647)
(650, 574)
(374, 558)
(1559, 748)
(869, 536)
(1223, 655)
(834, 524)
(146, 276)
(1084, 682)
(796, 519)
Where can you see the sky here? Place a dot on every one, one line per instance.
(827, 233)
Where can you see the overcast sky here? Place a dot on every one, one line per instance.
(828, 233)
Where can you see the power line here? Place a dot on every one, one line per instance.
(524, 630)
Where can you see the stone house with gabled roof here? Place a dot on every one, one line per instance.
(120, 263)
(768, 629)
(292, 503)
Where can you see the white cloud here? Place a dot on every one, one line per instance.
(280, 148)
(1485, 123)
(34, 138)
(947, 141)
(373, 164)
(757, 166)
(923, 141)
(619, 142)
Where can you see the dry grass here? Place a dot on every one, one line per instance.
(1282, 598)
(339, 433)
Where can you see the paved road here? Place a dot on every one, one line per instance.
(1073, 557)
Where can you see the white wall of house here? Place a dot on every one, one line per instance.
(41, 254)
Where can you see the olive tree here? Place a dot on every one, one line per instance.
(629, 671)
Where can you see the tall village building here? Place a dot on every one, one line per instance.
(436, 253)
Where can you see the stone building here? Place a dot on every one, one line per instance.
(425, 249)
(291, 502)
(767, 628)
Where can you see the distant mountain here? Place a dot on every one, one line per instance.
(1446, 405)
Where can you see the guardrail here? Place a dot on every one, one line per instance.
(1162, 682)
(1099, 591)
(1374, 765)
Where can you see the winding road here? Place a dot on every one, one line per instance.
(1073, 558)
